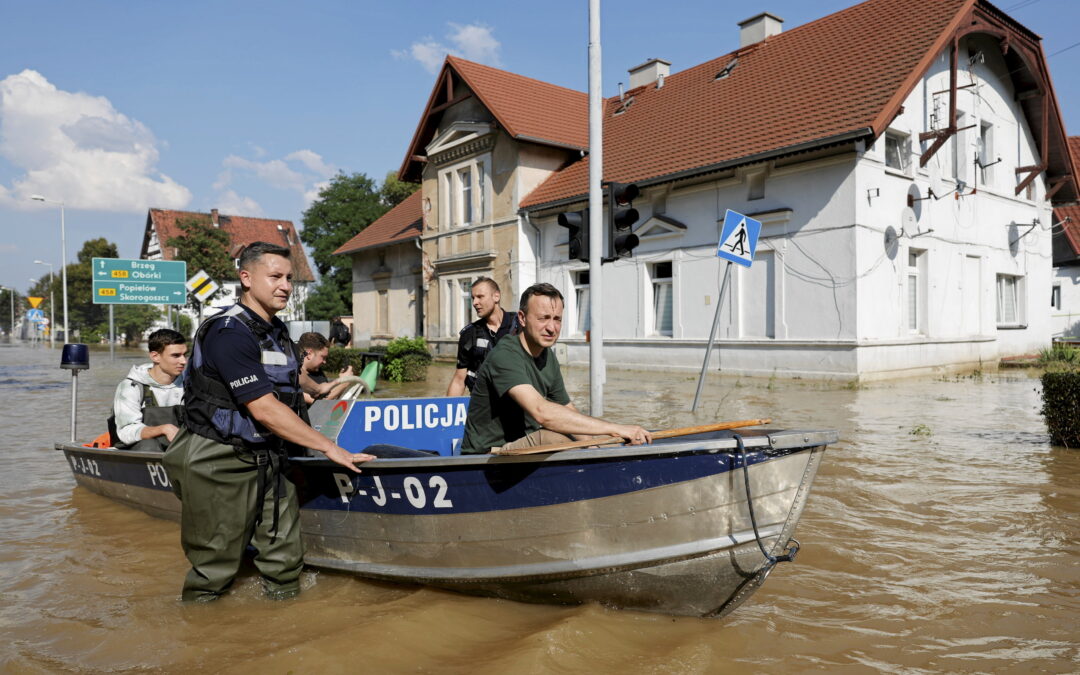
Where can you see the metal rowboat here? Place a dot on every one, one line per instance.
(689, 526)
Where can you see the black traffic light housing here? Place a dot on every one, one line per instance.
(621, 218)
(578, 224)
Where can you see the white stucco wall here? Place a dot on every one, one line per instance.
(828, 293)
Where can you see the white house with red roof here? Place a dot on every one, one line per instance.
(903, 156)
(164, 224)
(388, 275)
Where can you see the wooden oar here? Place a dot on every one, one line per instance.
(610, 440)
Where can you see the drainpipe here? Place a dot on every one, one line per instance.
(539, 243)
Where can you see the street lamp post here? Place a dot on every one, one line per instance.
(52, 304)
(63, 259)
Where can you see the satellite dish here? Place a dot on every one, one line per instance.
(936, 184)
(908, 222)
(892, 242)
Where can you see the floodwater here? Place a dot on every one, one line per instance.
(942, 535)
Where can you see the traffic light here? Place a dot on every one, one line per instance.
(621, 218)
(578, 224)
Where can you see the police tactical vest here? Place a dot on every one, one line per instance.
(480, 342)
(212, 412)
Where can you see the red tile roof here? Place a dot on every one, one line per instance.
(401, 223)
(826, 79)
(528, 109)
(242, 231)
(1072, 213)
(834, 79)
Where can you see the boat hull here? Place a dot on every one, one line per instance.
(663, 528)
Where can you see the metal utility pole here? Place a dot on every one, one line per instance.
(596, 217)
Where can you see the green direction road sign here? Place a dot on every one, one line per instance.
(119, 269)
(139, 293)
(118, 281)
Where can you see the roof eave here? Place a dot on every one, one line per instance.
(372, 247)
(845, 137)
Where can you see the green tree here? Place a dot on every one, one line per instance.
(6, 296)
(343, 209)
(132, 321)
(82, 312)
(394, 191)
(203, 247)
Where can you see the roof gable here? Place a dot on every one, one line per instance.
(527, 109)
(401, 223)
(163, 224)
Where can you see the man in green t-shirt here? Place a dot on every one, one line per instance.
(519, 399)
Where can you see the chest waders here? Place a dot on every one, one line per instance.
(212, 412)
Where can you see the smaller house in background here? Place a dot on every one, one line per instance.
(164, 224)
(1065, 292)
(389, 275)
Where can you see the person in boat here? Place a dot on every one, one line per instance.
(519, 399)
(314, 349)
(477, 339)
(241, 401)
(145, 405)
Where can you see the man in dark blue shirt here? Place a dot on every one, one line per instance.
(241, 400)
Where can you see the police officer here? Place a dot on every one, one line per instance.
(241, 399)
(479, 337)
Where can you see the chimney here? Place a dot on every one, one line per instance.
(213, 218)
(649, 72)
(757, 28)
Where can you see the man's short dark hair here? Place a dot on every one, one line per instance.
(254, 252)
(162, 338)
(486, 280)
(546, 290)
(312, 341)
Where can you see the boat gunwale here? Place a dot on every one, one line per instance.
(763, 439)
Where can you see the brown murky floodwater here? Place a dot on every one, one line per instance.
(942, 535)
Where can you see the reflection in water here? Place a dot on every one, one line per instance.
(941, 536)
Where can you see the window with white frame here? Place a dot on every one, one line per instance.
(663, 300)
(916, 291)
(959, 156)
(986, 153)
(897, 151)
(1009, 300)
(1055, 296)
(581, 300)
(457, 305)
(463, 188)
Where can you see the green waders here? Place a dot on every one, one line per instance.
(218, 491)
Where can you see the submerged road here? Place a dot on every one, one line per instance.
(942, 535)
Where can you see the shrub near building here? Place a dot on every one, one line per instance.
(1061, 395)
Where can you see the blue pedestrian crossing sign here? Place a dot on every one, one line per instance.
(738, 238)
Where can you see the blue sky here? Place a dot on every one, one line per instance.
(116, 107)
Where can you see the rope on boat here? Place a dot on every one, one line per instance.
(770, 559)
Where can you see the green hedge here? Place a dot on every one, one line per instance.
(339, 357)
(407, 360)
(1061, 407)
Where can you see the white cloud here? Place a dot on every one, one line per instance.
(79, 149)
(233, 204)
(475, 42)
(304, 172)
